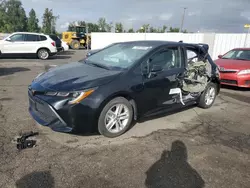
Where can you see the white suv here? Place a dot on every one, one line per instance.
(24, 43)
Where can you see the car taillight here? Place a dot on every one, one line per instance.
(53, 43)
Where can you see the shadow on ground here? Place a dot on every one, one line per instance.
(36, 180)
(12, 70)
(173, 170)
(67, 53)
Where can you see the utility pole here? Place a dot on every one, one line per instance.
(182, 21)
(247, 35)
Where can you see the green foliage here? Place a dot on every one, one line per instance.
(174, 30)
(33, 22)
(13, 17)
(49, 22)
(92, 27)
(119, 27)
(131, 30)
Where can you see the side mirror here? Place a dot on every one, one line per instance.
(8, 39)
(219, 56)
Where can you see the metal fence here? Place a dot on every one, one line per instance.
(218, 43)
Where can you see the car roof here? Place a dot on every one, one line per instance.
(28, 33)
(156, 43)
(241, 49)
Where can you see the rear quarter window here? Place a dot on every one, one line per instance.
(43, 38)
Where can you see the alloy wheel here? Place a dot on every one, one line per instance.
(210, 96)
(117, 118)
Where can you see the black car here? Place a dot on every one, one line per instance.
(57, 41)
(123, 83)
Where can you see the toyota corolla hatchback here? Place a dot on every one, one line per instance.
(122, 83)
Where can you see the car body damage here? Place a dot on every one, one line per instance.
(196, 77)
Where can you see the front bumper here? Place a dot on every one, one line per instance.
(45, 114)
(233, 79)
(61, 117)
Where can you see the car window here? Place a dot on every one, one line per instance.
(191, 55)
(30, 37)
(238, 55)
(43, 38)
(17, 37)
(119, 56)
(169, 58)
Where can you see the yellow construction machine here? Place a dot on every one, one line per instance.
(77, 38)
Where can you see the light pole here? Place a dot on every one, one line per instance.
(247, 35)
(182, 21)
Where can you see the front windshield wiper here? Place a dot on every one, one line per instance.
(99, 65)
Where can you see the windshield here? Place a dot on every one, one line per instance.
(118, 56)
(80, 30)
(238, 55)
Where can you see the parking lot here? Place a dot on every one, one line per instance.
(210, 148)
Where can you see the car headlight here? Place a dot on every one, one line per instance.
(74, 97)
(246, 71)
(79, 96)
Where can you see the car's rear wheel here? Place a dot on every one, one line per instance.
(43, 54)
(115, 118)
(207, 98)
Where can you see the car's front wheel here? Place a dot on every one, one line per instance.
(115, 118)
(207, 98)
(43, 54)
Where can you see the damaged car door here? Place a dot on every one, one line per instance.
(162, 73)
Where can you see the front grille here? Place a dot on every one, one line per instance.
(41, 110)
(229, 81)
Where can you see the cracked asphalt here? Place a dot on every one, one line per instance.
(188, 148)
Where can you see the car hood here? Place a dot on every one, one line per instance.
(74, 76)
(233, 64)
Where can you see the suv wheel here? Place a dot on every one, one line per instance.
(43, 54)
(207, 98)
(115, 118)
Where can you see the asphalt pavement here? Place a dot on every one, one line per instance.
(188, 148)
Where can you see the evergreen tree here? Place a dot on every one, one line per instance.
(33, 22)
(49, 22)
(12, 16)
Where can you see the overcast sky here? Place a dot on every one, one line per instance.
(201, 15)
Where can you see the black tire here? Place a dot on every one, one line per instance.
(75, 44)
(202, 99)
(43, 54)
(101, 121)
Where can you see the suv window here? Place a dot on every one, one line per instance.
(43, 38)
(168, 58)
(17, 37)
(30, 37)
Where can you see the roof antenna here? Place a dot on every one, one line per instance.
(180, 41)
